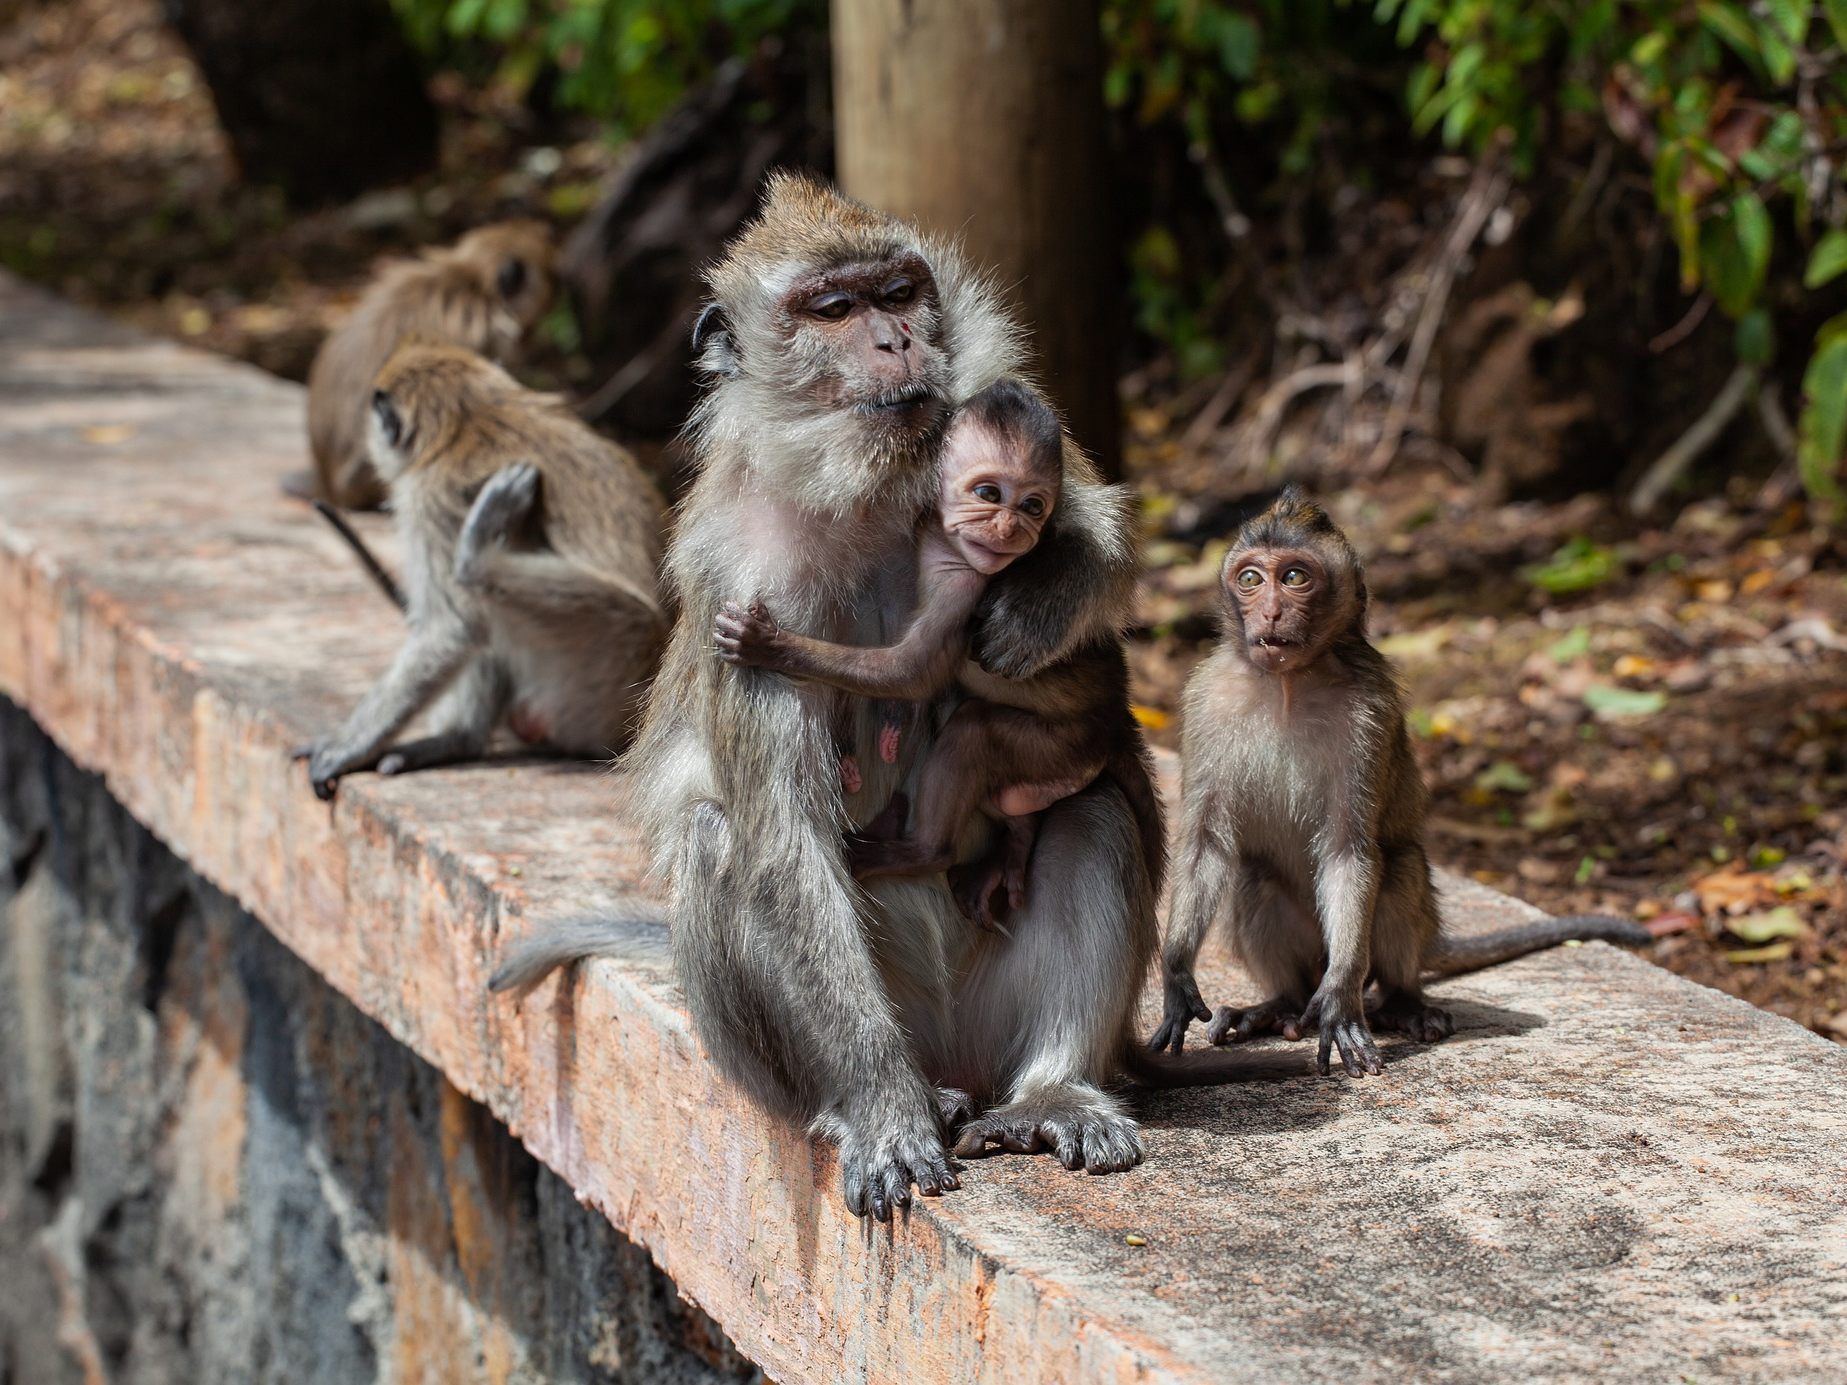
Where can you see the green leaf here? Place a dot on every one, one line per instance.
(1791, 18)
(1733, 28)
(1828, 261)
(1571, 647)
(1735, 253)
(1821, 431)
(1577, 566)
(1504, 776)
(1610, 703)
(1836, 11)
(1780, 922)
(1755, 339)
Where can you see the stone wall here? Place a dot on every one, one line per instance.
(214, 1168)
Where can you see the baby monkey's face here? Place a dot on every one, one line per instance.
(996, 495)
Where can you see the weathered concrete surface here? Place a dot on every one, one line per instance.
(1608, 1172)
(214, 1168)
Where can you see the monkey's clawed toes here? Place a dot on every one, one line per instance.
(1098, 1141)
(1414, 1019)
(1234, 1026)
(1359, 1055)
(955, 1108)
(878, 1181)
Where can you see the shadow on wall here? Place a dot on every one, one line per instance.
(213, 1167)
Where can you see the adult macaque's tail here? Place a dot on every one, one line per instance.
(620, 933)
(1455, 954)
(367, 559)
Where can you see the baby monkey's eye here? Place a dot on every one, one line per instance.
(1032, 506)
(1295, 577)
(989, 492)
(832, 306)
(1250, 578)
(899, 292)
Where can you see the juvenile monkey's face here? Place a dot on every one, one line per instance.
(996, 496)
(515, 260)
(866, 335)
(1284, 600)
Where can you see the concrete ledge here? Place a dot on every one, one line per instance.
(1608, 1172)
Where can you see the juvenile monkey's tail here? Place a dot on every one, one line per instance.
(636, 930)
(1455, 954)
(1210, 1068)
(367, 559)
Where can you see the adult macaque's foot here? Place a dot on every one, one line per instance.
(1415, 1019)
(876, 1173)
(1081, 1127)
(1234, 1026)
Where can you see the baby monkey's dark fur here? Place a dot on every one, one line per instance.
(1304, 807)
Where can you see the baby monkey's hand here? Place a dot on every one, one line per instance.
(747, 635)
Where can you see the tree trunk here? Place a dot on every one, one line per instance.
(322, 97)
(984, 119)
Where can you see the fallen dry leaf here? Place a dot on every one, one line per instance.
(107, 434)
(1755, 956)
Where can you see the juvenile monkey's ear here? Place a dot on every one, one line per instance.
(714, 348)
(511, 277)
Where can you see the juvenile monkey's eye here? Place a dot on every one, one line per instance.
(989, 492)
(1033, 506)
(1249, 579)
(388, 421)
(512, 277)
(832, 306)
(899, 292)
(1295, 577)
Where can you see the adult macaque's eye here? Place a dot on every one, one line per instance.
(899, 292)
(1250, 579)
(832, 306)
(1295, 577)
(987, 492)
(1033, 506)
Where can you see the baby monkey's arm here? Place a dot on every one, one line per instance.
(923, 662)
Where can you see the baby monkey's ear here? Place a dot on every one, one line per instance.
(714, 348)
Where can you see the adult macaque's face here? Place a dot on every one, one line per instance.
(868, 333)
(995, 499)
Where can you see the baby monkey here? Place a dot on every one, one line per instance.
(1304, 807)
(1015, 746)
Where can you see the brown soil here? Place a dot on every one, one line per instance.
(1668, 742)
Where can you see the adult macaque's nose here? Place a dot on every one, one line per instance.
(888, 335)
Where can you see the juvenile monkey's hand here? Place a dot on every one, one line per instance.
(747, 635)
(1342, 1022)
(1181, 1004)
(504, 503)
(328, 759)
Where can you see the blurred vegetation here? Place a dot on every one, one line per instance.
(1739, 110)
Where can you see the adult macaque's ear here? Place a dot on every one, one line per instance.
(714, 348)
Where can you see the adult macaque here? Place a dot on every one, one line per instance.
(530, 549)
(1016, 745)
(485, 293)
(839, 342)
(1304, 806)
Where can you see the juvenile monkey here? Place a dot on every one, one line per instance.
(1016, 745)
(530, 552)
(485, 293)
(1304, 806)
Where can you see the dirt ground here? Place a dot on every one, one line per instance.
(1644, 720)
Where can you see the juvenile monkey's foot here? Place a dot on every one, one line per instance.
(1234, 1026)
(503, 504)
(979, 896)
(1343, 1025)
(955, 1108)
(876, 1173)
(746, 635)
(1081, 1127)
(851, 781)
(1415, 1019)
(1181, 1004)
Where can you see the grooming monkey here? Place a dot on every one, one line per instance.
(838, 342)
(1016, 745)
(1304, 806)
(485, 292)
(530, 546)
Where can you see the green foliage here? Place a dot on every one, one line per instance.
(626, 61)
(1577, 566)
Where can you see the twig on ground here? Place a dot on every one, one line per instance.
(1680, 331)
(1486, 191)
(1207, 420)
(1686, 449)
